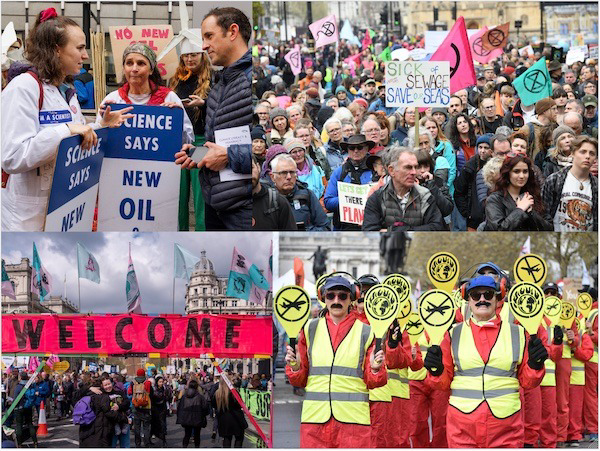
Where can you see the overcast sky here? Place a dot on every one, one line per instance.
(152, 255)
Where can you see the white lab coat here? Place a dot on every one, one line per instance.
(30, 140)
(188, 128)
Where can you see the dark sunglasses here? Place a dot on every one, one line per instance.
(488, 295)
(341, 296)
(355, 147)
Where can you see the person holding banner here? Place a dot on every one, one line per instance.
(485, 348)
(39, 110)
(335, 360)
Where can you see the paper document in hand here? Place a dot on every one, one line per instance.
(227, 137)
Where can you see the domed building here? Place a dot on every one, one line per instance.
(206, 293)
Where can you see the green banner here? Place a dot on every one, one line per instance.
(258, 403)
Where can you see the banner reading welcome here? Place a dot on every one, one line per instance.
(191, 335)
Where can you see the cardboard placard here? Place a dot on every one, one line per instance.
(352, 201)
(417, 83)
(526, 302)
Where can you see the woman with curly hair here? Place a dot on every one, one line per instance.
(516, 203)
(462, 136)
(191, 83)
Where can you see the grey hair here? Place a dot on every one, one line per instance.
(281, 157)
(575, 113)
(343, 113)
(504, 130)
(331, 121)
(394, 153)
(331, 100)
(294, 106)
(362, 125)
(422, 131)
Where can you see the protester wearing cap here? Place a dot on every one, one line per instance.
(259, 143)
(335, 361)
(281, 129)
(354, 170)
(369, 91)
(379, 104)
(308, 172)
(485, 361)
(590, 103)
(555, 70)
(440, 115)
(466, 186)
(590, 397)
(488, 73)
(545, 114)
(570, 196)
(308, 213)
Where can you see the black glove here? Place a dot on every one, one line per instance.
(394, 331)
(433, 360)
(537, 353)
(558, 335)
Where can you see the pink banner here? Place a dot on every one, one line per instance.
(480, 54)
(325, 31)
(294, 59)
(190, 335)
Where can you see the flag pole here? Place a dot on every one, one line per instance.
(173, 293)
(79, 291)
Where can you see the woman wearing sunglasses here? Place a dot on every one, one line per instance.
(335, 360)
(516, 203)
(485, 362)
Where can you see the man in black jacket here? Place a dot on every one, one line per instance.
(225, 33)
(465, 185)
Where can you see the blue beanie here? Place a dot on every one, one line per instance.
(487, 138)
(340, 89)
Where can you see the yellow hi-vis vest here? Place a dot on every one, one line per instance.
(398, 382)
(591, 317)
(335, 383)
(421, 374)
(496, 382)
(382, 393)
(577, 368)
(549, 379)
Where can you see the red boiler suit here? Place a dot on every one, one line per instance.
(563, 377)
(590, 392)
(583, 352)
(399, 421)
(480, 428)
(547, 437)
(335, 434)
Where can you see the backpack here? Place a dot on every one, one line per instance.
(18, 69)
(141, 398)
(83, 414)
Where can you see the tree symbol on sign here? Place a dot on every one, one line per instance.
(535, 81)
(328, 28)
(478, 47)
(496, 37)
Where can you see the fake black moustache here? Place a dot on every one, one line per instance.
(337, 306)
(485, 303)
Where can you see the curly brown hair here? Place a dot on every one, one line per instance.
(40, 48)
(531, 186)
(204, 76)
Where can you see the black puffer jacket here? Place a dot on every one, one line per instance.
(229, 104)
(502, 214)
(192, 409)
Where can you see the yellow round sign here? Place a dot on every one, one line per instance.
(443, 270)
(61, 367)
(552, 309)
(567, 314)
(436, 310)
(531, 268)
(526, 301)
(404, 312)
(399, 283)
(414, 327)
(457, 299)
(381, 308)
(292, 308)
(584, 303)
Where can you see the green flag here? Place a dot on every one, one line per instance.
(41, 281)
(371, 33)
(534, 84)
(386, 55)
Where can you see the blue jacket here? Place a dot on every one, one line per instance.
(379, 105)
(314, 179)
(445, 149)
(307, 209)
(331, 200)
(229, 104)
(335, 155)
(84, 85)
(43, 391)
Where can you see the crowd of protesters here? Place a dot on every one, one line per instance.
(486, 162)
(489, 384)
(109, 408)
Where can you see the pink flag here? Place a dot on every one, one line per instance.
(325, 31)
(367, 41)
(478, 51)
(457, 51)
(34, 362)
(294, 60)
(52, 360)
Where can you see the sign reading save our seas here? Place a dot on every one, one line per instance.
(417, 83)
(139, 185)
(75, 185)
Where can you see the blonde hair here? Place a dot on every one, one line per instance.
(222, 394)
(491, 172)
(204, 76)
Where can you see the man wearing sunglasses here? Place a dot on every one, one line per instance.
(336, 361)
(354, 170)
(485, 361)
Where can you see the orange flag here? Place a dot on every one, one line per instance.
(495, 38)
(299, 271)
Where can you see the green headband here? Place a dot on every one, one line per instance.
(142, 49)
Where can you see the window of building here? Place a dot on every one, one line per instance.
(204, 303)
(224, 303)
(234, 303)
(563, 28)
(203, 290)
(525, 19)
(595, 27)
(195, 290)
